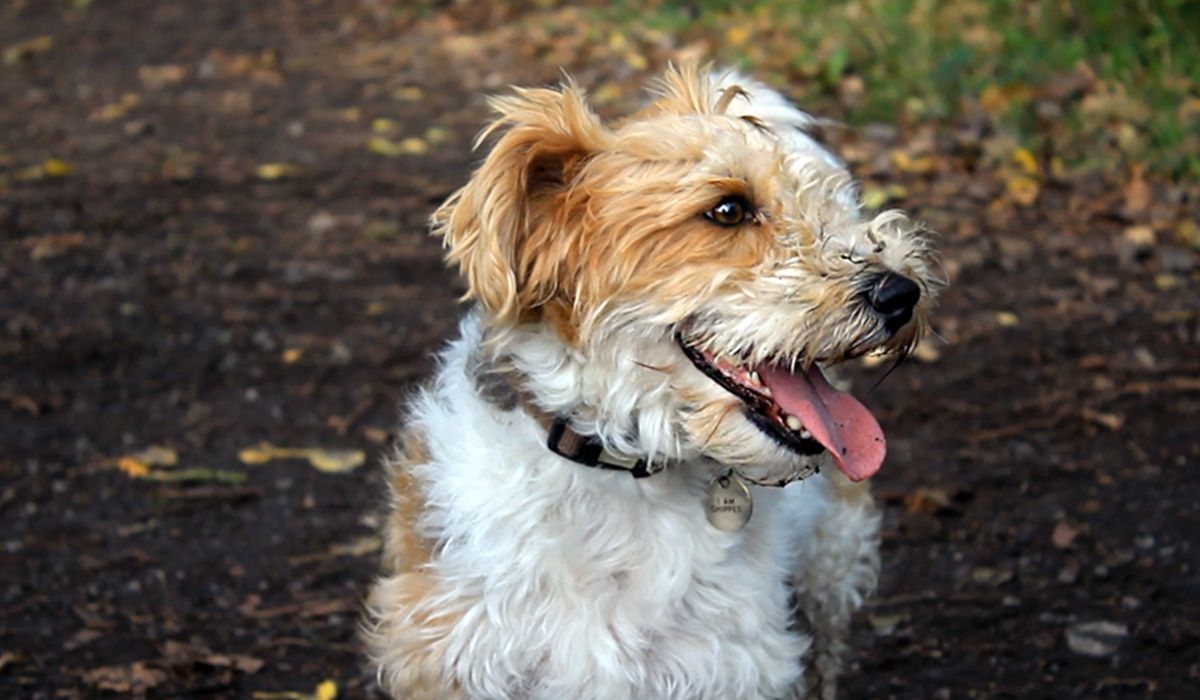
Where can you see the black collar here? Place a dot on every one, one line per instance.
(588, 451)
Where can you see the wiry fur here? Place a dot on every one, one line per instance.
(510, 572)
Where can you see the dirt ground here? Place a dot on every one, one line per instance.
(212, 237)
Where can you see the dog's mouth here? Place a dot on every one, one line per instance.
(800, 410)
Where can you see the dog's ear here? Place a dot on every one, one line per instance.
(503, 229)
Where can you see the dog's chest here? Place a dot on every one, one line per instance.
(610, 593)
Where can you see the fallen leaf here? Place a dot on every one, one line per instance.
(53, 167)
(1022, 189)
(292, 355)
(1025, 161)
(136, 677)
(116, 110)
(25, 50)
(133, 467)
(392, 149)
(158, 456)
(410, 93)
(1140, 236)
(1007, 319)
(360, 547)
(52, 245)
(928, 501)
(1110, 421)
(885, 624)
(329, 461)
(383, 126)
(909, 164)
(1137, 192)
(276, 171)
(927, 351)
(223, 476)
(1064, 535)
(156, 77)
(325, 690)
(1165, 282)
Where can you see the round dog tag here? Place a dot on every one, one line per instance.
(729, 504)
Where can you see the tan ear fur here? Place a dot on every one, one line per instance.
(490, 224)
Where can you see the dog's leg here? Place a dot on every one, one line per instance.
(840, 569)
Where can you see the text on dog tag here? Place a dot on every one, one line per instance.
(728, 504)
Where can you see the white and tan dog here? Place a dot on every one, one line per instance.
(630, 478)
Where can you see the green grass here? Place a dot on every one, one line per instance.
(1094, 83)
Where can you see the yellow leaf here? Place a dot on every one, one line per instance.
(336, 461)
(54, 167)
(408, 94)
(993, 99)
(326, 690)
(436, 134)
(1142, 236)
(329, 461)
(133, 467)
(414, 146)
(275, 171)
(25, 49)
(737, 35)
(926, 351)
(1007, 319)
(874, 197)
(408, 147)
(1025, 160)
(1188, 233)
(1022, 189)
(1165, 282)
(383, 147)
(118, 109)
(292, 355)
(905, 162)
(607, 93)
(158, 456)
(383, 126)
(258, 455)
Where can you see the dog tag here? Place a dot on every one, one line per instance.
(729, 504)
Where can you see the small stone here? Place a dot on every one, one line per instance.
(1096, 639)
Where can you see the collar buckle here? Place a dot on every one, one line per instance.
(588, 451)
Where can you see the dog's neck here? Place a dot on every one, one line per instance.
(580, 402)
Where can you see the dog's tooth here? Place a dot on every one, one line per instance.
(806, 434)
(793, 423)
(755, 379)
(765, 391)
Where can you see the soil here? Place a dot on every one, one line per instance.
(212, 236)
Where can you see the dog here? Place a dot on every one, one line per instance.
(630, 477)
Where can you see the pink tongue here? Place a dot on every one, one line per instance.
(836, 419)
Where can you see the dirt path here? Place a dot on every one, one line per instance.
(212, 237)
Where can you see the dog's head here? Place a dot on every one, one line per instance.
(704, 252)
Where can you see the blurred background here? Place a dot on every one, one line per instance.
(216, 290)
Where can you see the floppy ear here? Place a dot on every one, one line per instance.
(504, 228)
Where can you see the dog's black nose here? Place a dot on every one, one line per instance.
(894, 297)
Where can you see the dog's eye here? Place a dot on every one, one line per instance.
(730, 211)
